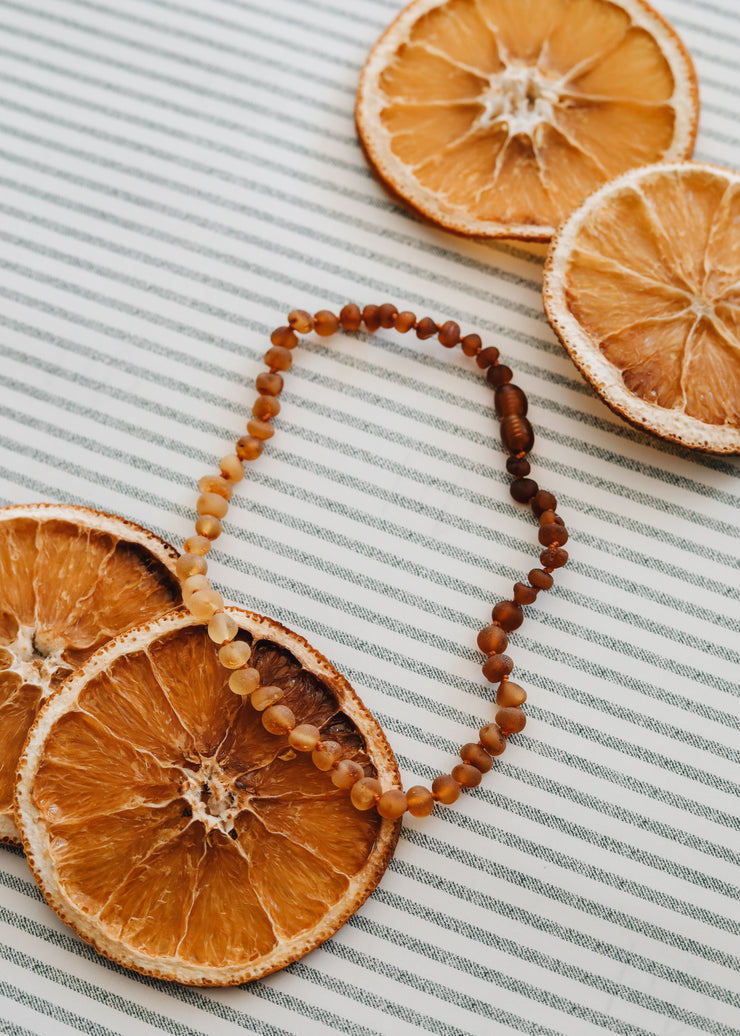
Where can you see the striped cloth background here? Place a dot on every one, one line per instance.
(174, 177)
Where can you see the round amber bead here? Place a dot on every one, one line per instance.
(346, 773)
(231, 468)
(553, 535)
(508, 614)
(196, 545)
(350, 317)
(544, 501)
(510, 720)
(325, 323)
(216, 484)
(405, 321)
(471, 345)
(445, 789)
(204, 604)
(284, 338)
(265, 407)
(499, 375)
(449, 334)
(467, 776)
(270, 383)
(301, 321)
(542, 580)
(222, 629)
(248, 448)
(426, 328)
(510, 695)
(234, 655)
(326, 754)
(392, 804)
(519, 467)
(420, 801)
(365, 793)
(188, 565)
(477, 756)
(553, 557)
(209, 527)
(492, 640)
(278, 358)
(523, 489)
(263, 697)
(524, 594)
(371, 317)
(213, 504)
(387, 314)
(244, 681)
(492, 739)
(260, 429)
(487, 357)
(304, 737)
(278, 719)
(496, 667)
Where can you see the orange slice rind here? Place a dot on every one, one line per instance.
(71, 578)
(497, 118)
(642, 286)
(171, 831)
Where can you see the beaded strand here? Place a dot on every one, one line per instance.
(206, 605)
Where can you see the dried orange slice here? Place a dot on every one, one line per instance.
(170, 830)
(498, 117)
(642, 286)
(70, 579)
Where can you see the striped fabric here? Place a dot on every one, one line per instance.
(175, 177)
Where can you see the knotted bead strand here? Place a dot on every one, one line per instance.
(206, 605)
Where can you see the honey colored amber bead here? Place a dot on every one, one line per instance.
(265, 408)
(392, 804)
(365, 793)
(445, 789)
(509, 615)
(326, 754)
(517, 434)
(524, 594)
(304, 737)
(477, 756)
(269, 382)
(387, 314)
(419, 801)
(511, 721)
(467, 776)
(371, 317)
(496, 667)
(346, 773)
(471, 345)
(216, 484)
(350, 317)
(231, 468)
(235, 655)
(244, 681)
(190, 565)
(209, 527)
(405, 321)
(196, 545)
(487, 357)
(213, 504)
(278, 358)
(542, 580)
(510, 695)
(523, 489)
(553, 557)
(492, 640)
(449, 334)
(301, 321)
(204, 604)
(284, 338)
(492, 739)
(278, 719)
(325, 323)
(426, 328)
(264, 697)
(260, 429)
(194, 583)
(553, 535)
(544, 501)
(248, 448)
(499, 375)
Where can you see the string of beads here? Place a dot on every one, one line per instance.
(206, 605)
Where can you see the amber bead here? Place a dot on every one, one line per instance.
(365, 793)
(511, 721)
(499, 375)
(519, 467)
(284, 338)
(553, 535)
(392, 804)
(346, 773)
(426, 328)
(234, 655)
(445, 789)
(196, 545)
(216, 484)
(270, 383)
(325, 323)
(449, 334)
(248, 448)
(508, 614)
(544, 501)
(492, 640)
(304, 737)
(510, 695)
(517, 434)
(350, 317)
(325, 754)
(419, 801)
(524, 594)
(467, 776)
(188, 565)
(209, 527)
(387, 314)
(244, 681)
(547, 518)
(510, 399)
(212, 503)
(542, 580)
(477, 756)
(405, 321)
(523, 489)
(301, 321)
(278, 358)
(471, 345)
(487, 357)
(260, 429)
(231, 468)
(492, 739)
(553, 557)
(264, 697)
(371, 317)
(265, 408)
(496, 667)
(278, 719)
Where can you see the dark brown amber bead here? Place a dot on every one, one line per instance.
(547, 517)
(449, 334)
(553, 557)
(524, 594)
(492, 739)
(553, 535)
(426, 328)
(446, 789)
(248, 448)
(542, 580)
(544, 501)
(284, 338)
(487, 357)
(492, 640)
(510, 695)
(271, 384)
(499, 375)
(467, 776)
(405, 321)
(371, 317)
(387, 314)
(517, 434)
(325, 323)
(523, 489)
(476, 756)
(350, 317)
(301, 321)
(510, 399)
(471, 345)
(511, 721)
(278, 358)
(509, 615)
(265, 407)
(496, 667)
(519, 467)
(420, 801)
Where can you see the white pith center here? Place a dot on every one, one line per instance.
(211, 797)
(34, 659)
(520, 98)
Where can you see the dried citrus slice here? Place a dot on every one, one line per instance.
(178, 836)
(70, 579)
(498, 117)
(642, 286)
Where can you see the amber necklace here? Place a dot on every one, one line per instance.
(206, 605)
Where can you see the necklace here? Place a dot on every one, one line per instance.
(206, 605)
